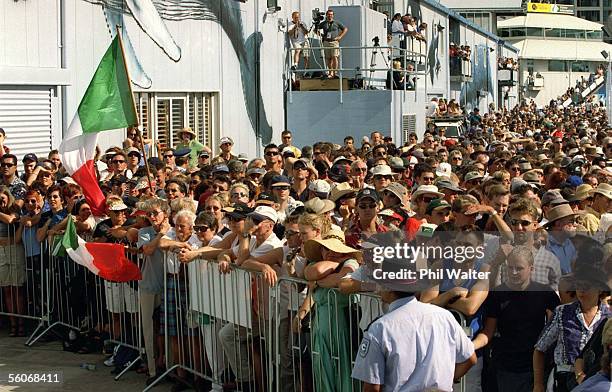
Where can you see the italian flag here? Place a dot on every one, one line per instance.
(107, 104)
(106, 260)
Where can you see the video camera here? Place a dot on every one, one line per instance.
(317, 16)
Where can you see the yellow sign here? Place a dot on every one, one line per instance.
(543, 8)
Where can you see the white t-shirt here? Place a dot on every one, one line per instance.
(296, 34)
(431, 108)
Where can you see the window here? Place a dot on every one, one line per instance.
(598, 35)
(593, 16)
(576, 34)
(534, 32)
(164, 114)
(555, 33)
(272, 4)
(580, 67)
(557, 65)
(588, 3)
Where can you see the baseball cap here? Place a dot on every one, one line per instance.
(446, 184)
(474, 175)
(367, 192)
(265, 199)
(220, 169)
(300, 163)
(242, 157)
(436, 204)
(264, 212)
(204, 154)
(256, 170)
(133, 150)
(238, 211)
(280, 181)
(182, 152)
(235, 166)
(320, 187)
(225, 140)
(30, 157)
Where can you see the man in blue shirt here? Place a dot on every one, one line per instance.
(561, 227)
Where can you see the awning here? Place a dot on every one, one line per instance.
(541, 49)
(549, 21)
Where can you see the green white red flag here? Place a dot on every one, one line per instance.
(107, 104)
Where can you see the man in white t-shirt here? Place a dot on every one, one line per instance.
(298, 38)
(256, 240)
(432, 108)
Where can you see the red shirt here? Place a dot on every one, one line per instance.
(353, 236)
(411, 227)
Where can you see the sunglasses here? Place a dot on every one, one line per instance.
(212, 208)
(389, 178)
(168, 156)
(153, 213)
(291, 233)
(7, 164)
(201, 229)
(367, 206)
(516, 222)
(361, 169)
(428, 178)
(239, 194)
(272, 153)
(30, 201)
(281, 188)
(457, 159)
(116, 161)
(515, 169)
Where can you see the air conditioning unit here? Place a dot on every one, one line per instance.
(408, 126)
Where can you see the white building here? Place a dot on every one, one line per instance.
(555, 51)
(224, 74)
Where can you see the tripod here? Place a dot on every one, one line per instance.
(375, 51)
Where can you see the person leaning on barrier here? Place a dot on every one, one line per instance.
(415, 346)
(331, 32)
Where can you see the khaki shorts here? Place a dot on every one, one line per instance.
(12, 265)
(334, 49)
(304, 48)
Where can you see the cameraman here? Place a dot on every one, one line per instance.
(298, 38)
(332, 33)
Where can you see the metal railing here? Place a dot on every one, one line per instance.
(376, 73)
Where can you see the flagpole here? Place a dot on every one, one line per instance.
(127, 72)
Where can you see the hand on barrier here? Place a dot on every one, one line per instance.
(269, 275)
(187, 255)
(224, 266)
(296, 323)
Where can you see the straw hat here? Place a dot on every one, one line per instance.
(340, 190)
(319, 206)
(189, 131)
(427, 190)
(604, 189)
(334, 241)
(582, 192)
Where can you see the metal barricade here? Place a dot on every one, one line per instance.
(23, 293)
(122, 311)
(217, 324)
(323, 346)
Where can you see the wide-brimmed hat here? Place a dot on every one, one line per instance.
(446, 184)
(116, 205)
(593, 276)
(400, 191)
(473, 175)
(396, 163)
(319, 206)
(604, 189)
(341, 190)
(582, 192)
(559, 212)
(334, 241)
(427, 190)
(532, 177)
(382, 170)
(189, 131)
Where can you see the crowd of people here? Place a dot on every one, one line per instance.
(531, 184)
(507, 63)
(463, 52)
